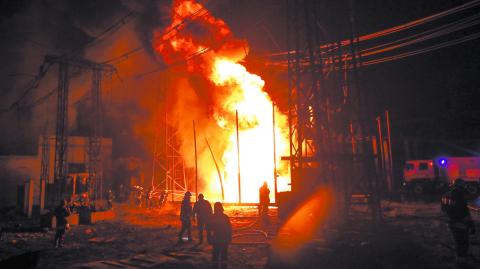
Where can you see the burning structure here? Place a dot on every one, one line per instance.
(321, 138)
(206, 110)
(233, 114)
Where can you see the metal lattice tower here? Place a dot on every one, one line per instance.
(61, 133)
(95, 165)
(45, 163)
(366, 181)
(308, 115)
(175, 178)
(159, 163)
(327, 115)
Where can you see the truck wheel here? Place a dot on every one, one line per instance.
(418, 189)
(473, 188)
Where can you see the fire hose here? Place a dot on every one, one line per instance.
(249, 231)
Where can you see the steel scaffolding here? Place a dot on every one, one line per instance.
(61, 129)
(175, 178)
(328, 120)
(168, 163)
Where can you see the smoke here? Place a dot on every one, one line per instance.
(34, 29)
(136, 97)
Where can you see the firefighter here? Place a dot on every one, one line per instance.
(110, 198)
(121, 193)
(264, 198)
(203, 211)
(162, 199)
(61, 213)
(139, 196)
(220, 230)
(460, 222)
(185, 218)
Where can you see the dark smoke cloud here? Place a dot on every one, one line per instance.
(32, 29)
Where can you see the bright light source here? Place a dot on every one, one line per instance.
(442, 161)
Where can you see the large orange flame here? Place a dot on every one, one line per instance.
(216, 56)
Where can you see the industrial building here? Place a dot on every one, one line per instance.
(16, 169)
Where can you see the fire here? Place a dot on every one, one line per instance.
(234, 89)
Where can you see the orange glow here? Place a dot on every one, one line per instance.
(302, 226)
(231, 87)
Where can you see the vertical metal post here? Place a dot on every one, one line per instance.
(274, 152)
(196, 162)
(380, 145)
(387, 118)
(238, 158)
(43, 185)
(28, 198)
(61, 135)
(95, 165)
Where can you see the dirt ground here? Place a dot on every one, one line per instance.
(411, 235)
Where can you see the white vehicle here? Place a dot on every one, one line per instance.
(432, 175)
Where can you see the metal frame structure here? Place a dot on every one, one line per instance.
(169, 158)
(45, 162)
(309, 121)
(95, 166)
(175, 177)
(61, 130)
(328, 128)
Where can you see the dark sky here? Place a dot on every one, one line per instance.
(429, 95)
(438, 85)
(430, 86)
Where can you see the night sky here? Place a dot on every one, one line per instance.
(430, 96)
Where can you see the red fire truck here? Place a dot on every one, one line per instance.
(420, 176)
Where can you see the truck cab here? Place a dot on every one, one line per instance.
(420, 176)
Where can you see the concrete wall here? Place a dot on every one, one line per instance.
(14, 171)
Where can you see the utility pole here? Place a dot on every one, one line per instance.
(196, 165)
(238, 160)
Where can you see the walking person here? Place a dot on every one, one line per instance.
(202, 210)
(186, 217)
(264, 198)
(61, 213)
(220, 230)
(460, 222)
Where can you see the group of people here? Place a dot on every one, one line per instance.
(218, 229)
(214, 223)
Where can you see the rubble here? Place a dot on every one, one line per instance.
(414, 236)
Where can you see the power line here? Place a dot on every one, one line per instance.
(108, 31)
(34, 82)
(425, 50)
(395, 29)
(437, 32)
(423, 36)
(178, 63)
